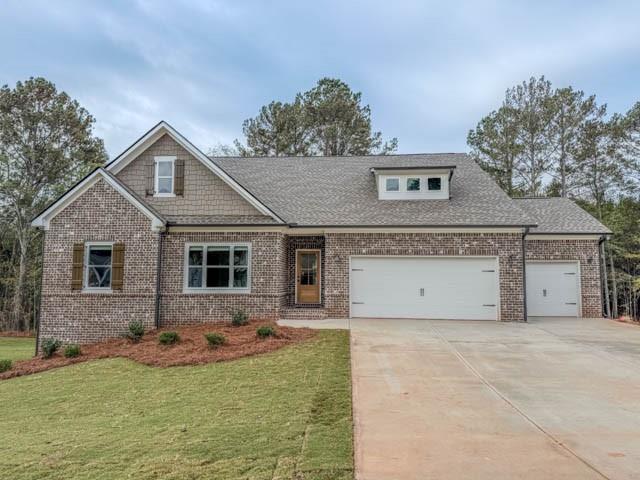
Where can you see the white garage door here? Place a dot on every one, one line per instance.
(552, 289)
(424, 287)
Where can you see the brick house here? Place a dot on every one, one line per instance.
(165, 235)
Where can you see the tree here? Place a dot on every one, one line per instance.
(533, 103)
(569, 112)
(46, 144)
(326, 120)
(494, 144)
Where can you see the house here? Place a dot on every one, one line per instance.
(167, 236)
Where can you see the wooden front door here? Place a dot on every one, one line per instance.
(308, 276)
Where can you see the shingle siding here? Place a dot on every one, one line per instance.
(587, 254)
(204, 192)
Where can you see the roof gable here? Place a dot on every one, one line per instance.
(163, 128)
(44, 218)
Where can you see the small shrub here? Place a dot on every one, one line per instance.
(5, 365)
(215, 340)
(49, 347)
(239, 318)
(265, 331)
(169, 338)
(72, 351)
(136, 331)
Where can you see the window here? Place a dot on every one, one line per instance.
(393, 184)
(413, 184)
(98, 266)
(217, 267)
(434, 183)
(164, 176)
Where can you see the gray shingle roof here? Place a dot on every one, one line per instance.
(560, 215)
(341, 191)
(220, 220)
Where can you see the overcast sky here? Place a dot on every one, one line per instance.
(429, 70)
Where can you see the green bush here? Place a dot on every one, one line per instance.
(136, 331)
(49, 347)
(266, 331)
(215, 340)
(71, 351)
(239, 317)
(169, 338)
(5, 365)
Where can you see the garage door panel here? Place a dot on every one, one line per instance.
(424, 287)
(553, 289)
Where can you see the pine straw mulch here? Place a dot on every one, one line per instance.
(17, 333)
(192, 349)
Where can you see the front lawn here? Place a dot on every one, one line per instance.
(282, 415)
(17, 348)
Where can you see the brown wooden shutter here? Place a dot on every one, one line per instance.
(117, 266)
(149, 170)
(178, 189)
(77, 266)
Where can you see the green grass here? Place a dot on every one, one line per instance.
(284, 415)
(17, 348)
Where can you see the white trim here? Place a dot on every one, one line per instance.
(320, 271)
(63, 202)
(578, 273)
(542, 236)
(85, 268)
(218, 290)
(156, 175)
(164, 128)
(494, 257)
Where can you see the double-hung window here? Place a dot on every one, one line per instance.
(98, 265)
(164, 176)
(218, 267)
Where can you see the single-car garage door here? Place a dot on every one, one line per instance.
(552, 289)
(424, 287)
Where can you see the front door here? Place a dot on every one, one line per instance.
(308, 276)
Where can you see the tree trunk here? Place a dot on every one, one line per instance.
(614, 288)
(18, 294)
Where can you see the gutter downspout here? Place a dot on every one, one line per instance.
(40, 297)
(524, 273)
(158, 276)
(604, 280)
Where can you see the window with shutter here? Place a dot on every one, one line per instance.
(77, 266)
(179, 177)
(117, 266)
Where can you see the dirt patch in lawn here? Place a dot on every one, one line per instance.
(192, 349)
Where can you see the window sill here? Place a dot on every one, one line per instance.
(97, 290)
(217, 291)
(164, 195)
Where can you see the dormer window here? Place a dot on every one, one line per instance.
(413, 183)
(164, 176)
(393, 184)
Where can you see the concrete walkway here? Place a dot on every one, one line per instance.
(552, 399)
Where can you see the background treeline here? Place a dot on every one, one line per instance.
(540, 141)
(561, 142)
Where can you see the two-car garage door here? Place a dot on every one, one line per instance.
(425, 287)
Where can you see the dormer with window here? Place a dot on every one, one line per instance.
(413, 183)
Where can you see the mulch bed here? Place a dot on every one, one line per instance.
(16, 333)
(192, 349)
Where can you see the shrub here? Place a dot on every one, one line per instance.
(265, 331)
(136, 331)
(239, 317)
(5, 365)
(215, 339)
(49, 347)
(169, 338)
(71, 351)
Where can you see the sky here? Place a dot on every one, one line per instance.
(429, 70)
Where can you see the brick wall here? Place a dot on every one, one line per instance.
(204, 192)
(295, 243)
(100, 214)
(583, 251)
(506, 246)
(268, 280)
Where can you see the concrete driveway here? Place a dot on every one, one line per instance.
(552, 399)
